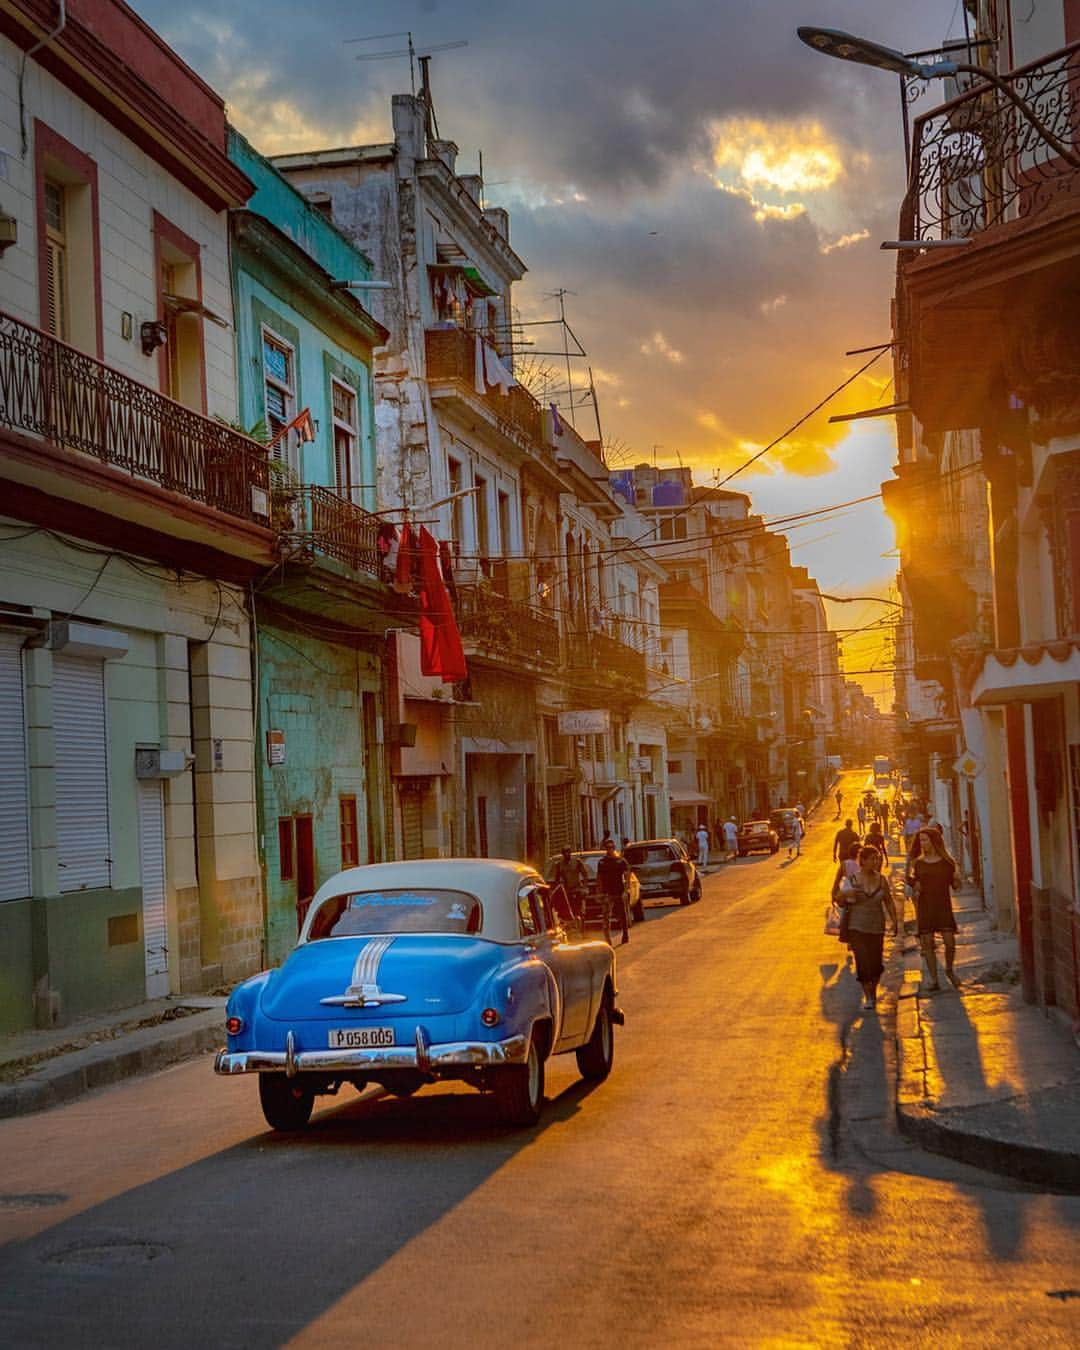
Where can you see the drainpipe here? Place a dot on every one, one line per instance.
(32, 51)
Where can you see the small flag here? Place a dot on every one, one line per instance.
(303, 424)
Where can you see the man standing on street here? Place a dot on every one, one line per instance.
(796, 836)
(843, 841)
(702, 838)
(573, 876)
(839, 802)
(861, 816)
(611, 875)
(731, 839)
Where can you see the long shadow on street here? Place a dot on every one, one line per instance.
(247, 1247)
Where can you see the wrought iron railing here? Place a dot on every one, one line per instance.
(451, 355)
(51, 390)
(331, 525)
(501, 625)
(610, 654)
(977, 161)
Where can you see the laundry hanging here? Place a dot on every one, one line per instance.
(441, 652)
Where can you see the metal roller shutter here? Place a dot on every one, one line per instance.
(152, 868)
(14, 778)
(412, 824)
(82, 773)
(560, 817)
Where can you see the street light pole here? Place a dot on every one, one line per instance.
(851, 599)
(847, 47)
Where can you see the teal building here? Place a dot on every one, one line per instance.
(304, 357)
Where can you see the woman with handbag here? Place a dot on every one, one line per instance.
(869, 902)
(932, 876)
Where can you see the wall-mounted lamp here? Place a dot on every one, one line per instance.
(152, 335)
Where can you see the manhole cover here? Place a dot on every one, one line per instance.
(33, 1200)
(108, 1255)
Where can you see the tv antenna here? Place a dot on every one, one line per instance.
(411, 51)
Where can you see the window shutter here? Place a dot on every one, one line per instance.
(82, 779)
(14, 778)
(56, 293)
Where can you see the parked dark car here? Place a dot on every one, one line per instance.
(757, 836)
(783, 822)
(663, 869)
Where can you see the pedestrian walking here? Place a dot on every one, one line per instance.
(839, 803)
(870, 907)
(860, 816)
(844, 839)
(702, 838)
(795, 847)
(913, 823)
(612, 876)
(731, 838)
(932, 877)
(573, 876)
(875, 838)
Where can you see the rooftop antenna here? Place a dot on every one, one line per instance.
(561, 295)
(410, 51)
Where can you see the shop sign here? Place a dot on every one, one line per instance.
(585, 722)
(275, 747)
(641, 764)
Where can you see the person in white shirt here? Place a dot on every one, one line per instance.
(731, 838)
(702, 837)
(795, 847)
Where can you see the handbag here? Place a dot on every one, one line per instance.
(833, 921)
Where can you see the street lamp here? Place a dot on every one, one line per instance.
(851, 599)
(848, 47)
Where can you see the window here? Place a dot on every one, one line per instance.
(674, 766)
(346, 439)
(286, 853)
(528, 915)
(454, 486)
(505, 543)
(483, 523)
(350, 837)
(279, 392)
(69, 268)
(673, 527)
(181, 367)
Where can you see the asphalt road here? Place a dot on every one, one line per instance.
(737, 1181)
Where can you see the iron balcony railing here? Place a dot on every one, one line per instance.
(977, 161)
(611, 654)
(51, 390)
(510, 627)
(451, 355)
(323, 522)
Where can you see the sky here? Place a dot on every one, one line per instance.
(711, 192)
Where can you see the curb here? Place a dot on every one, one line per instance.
(948, 1134)
(139, 1052)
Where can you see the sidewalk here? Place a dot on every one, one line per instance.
(39, 1069)
(982, 1076)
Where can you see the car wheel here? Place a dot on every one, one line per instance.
(286, 1104)
(695, 894)
(683, 897)
(774, 848)
(742, 853)
(595, 1058)
(639, 912)
(519, 1089)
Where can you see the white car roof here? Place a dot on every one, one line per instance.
(494, 881)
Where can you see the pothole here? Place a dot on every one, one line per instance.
(108, 1255)
(32, 1200)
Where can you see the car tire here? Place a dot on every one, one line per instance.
(683, 897)
(639, 912)
(695, 894)
(775, 848)
(519, 1089)
(742, 853)
(286, 1104)
(596, 1056)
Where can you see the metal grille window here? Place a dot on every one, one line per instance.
(350, 835)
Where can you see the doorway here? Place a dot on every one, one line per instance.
(305, 865)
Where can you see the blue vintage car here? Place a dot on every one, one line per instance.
(408, 973)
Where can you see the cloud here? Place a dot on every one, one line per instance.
(658, 345)
(771, 306)
(845, 241)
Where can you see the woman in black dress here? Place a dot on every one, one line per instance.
(869, 902)
(932, 875)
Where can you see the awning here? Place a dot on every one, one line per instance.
(603, 792)
(1026, 674)
(687, 797)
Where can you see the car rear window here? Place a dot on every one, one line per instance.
(758, 827)
(655, 853)
(399, 911)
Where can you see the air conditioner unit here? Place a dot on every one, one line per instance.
(152, 762)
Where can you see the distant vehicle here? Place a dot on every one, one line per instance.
(591, 858)
(408, 973)
(783, 822)
(757, 836)
(882, 776)
(663, 868)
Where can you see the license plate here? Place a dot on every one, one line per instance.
(360, 1038)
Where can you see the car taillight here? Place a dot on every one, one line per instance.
(234, 1025)
(490, 1017)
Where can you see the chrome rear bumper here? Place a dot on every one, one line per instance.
(422, 1057)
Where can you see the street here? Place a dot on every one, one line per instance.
(737, 1180)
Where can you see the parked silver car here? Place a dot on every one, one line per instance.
(664, 868)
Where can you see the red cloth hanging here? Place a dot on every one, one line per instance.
(441, 652)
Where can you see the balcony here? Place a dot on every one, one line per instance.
(451, 360)
(508, 630)
(54, 394)
(965, 315)
(322, 523)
